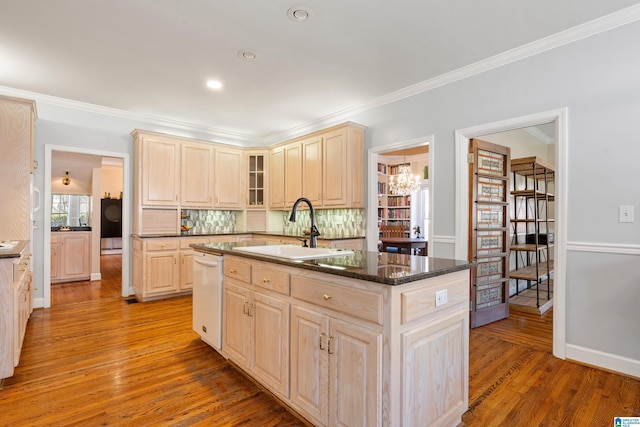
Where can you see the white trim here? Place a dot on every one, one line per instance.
(126, 226)
(604, 360)
(372, 202)
(462, 138)
(571, 35)
(604, 248)
(449, 240)
(95, 276)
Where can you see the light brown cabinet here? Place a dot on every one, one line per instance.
(327, 167)
(354, 346)
(158, 170)
(156, 268)
(15, 308)
(17, 118)
(256, 322)
(276, 178)
(70, 256)
(196, 175)
(229, 178)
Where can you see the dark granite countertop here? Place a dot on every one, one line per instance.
(260, 233)
(383, 267)
(13, 252)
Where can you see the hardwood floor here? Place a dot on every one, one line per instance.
(104, 361)
(109, 286)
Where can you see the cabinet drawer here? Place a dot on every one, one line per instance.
(161, 245)
(360, 303)
(237, 269)
(274, 280)
(20, 269)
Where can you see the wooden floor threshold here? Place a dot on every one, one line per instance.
(527, 301)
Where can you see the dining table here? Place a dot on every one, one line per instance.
(408, 243)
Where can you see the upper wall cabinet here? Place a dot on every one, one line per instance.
(17, 118)
(276, 178)
(196, 182)
(327, 167)
(157, 170)
(229, 178)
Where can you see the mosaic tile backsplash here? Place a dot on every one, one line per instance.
(209, 221)
(330, 222)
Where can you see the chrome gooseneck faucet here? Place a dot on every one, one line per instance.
(314, 230)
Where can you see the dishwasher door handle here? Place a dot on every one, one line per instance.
(207, 263)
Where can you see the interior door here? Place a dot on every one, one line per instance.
(489, 168)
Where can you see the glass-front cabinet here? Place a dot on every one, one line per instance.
(256, 194)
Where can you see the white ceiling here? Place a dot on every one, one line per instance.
(153, 57)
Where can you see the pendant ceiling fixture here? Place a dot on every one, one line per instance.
(66, 180)
(405, 182)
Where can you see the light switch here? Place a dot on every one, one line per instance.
(625, 214)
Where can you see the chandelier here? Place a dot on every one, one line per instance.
(405, 182)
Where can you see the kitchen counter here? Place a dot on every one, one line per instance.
(15, 251)
(385, 268)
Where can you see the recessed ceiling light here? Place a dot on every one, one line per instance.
(214, 84)
(246, 54)
(299, 13)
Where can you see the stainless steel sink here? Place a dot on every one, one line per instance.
(294, 252)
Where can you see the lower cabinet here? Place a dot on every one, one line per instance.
(70, 256)
(15, 309)
(342, 351)
(156, 268)
(256, 326)
(334, 369)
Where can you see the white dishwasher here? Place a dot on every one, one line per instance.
(207, 298)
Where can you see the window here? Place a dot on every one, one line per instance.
(70, 209)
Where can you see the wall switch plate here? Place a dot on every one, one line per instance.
(625, 214)
(441, 298)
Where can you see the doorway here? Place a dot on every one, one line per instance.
(462, 139)
(399, 152)
(93, 188)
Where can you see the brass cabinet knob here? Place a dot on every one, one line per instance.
(265, 280)
(326, 297)
(232, 271)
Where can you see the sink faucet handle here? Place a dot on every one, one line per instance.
(304, 242)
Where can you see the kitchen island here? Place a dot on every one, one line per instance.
(366, 338)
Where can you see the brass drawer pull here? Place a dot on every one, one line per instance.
(265, 280)
(233, 271)
(326, 297)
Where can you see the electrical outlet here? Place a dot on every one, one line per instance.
(441, 298)
(625, 214)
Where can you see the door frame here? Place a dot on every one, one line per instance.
(462, 138)
(372, 199)
(126, 256)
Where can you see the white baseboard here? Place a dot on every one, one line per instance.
(95, 276)
(603, 360)
(38, 302)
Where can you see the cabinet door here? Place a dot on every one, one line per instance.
(235, 334)
(55, 260)
(312, 170)
(270, 355)
(229, 182)
(196, 183)
(257, 180)
(434, 371)
(160, 172)
(276, 178)
(293, 173)
(309, 363)
(186, 269)
(336, 170)
(355, 355)
(75, 256)
(162, 272)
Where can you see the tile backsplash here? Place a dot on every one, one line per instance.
(330, 222)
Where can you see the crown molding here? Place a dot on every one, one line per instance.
(539, 135)
(571, 35)
(580, 32)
